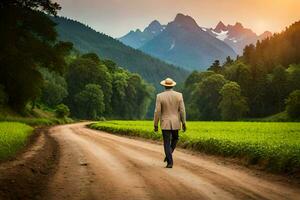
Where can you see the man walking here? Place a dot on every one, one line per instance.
(170, 111)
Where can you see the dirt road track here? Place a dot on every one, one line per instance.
(98, 165)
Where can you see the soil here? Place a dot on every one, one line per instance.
(24, 176)
(74, 162)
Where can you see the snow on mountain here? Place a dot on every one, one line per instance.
(184, 43)
(222, 35)
(172, 45)
(236, 36)
(200, 43)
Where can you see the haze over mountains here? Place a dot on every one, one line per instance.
(85, 39)
(236, 36)
(137, 38)
(182, 42)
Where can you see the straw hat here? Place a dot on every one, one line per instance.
(168, 82)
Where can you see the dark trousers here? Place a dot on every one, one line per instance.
(170, 141)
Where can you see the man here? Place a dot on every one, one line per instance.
(170, 111)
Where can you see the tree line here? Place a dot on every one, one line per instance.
(264, 81)
(151, 69)
(38, 69)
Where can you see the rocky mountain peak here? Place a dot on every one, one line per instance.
(185, 20)
(266, 34)
(220, 27)
(238, 25)
(154, 23)
(154, 27)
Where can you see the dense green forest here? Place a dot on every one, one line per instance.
(39, 70)
(86, 40)
(264, 81)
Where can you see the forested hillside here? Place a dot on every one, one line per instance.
(264, 81)
(85, 39)
(41, 71)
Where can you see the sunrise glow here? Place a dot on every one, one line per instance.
(108, 16)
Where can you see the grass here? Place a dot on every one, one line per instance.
(13, 137)
(32, 121)
(273, 145)
(36, 117)
(279, 117)
(15, 128)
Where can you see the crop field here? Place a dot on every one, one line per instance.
(273, 145)
(13, 136)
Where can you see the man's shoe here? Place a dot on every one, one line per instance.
(165, 160)
(169, 166)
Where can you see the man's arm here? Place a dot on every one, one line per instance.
(182, 113)
(157, 113)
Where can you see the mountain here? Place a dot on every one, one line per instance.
(85, 39)
(136, 39)
(264, 35)
(185, 44)
(236, 36)
(220, 27)
(280, 50)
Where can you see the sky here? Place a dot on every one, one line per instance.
(118, 17)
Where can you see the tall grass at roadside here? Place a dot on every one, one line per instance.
(36, 121)
(273, 145)
(13, 136)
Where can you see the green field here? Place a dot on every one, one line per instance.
(273, 145)
(13, 136)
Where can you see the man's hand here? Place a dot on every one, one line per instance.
(155, 128)
(184, 127)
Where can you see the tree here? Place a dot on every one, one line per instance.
(207, 97)
(279, 49)
(138, 96)
(240, 73)
(249, 53)
(280, 87)
(293, 77)
(54, 89)
(131, 95)
(28, 41)
(119, 86)
(215, 67)
(62, 111)
(3, 98)
(85, 70)
(90, 102)
(190, 85)
(233, 105)
(228, 61)
(293, 104)
(44, 5)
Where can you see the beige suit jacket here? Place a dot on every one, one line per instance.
(169, 110)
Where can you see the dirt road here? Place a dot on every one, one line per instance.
(98, 165)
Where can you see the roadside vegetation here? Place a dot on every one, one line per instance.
(13, 137)
(16, 128)
(272, 145)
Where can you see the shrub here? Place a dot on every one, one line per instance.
(62, 111)
(101, 119)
